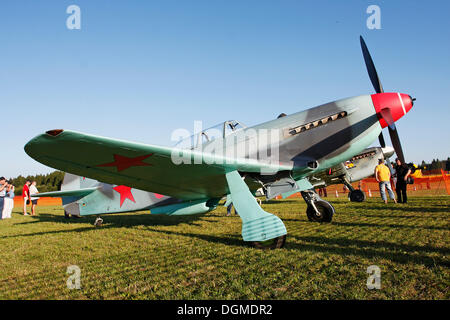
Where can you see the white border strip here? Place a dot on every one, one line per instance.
(401, 101)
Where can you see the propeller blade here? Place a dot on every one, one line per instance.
(393, 133)
(373, 75)
(396, 143)
(387, 116)
(381, 139)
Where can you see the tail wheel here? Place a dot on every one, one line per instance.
(324, 214)
(275, 243)
(98, 222)
(357, 196)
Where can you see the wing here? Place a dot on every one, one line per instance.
(146, 167)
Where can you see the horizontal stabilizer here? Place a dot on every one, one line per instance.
(281, 186)
(66, 193)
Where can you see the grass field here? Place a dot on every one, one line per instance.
(140, 256)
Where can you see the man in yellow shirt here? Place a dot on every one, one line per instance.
(383, 176)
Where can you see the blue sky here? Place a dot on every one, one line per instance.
(137, 70)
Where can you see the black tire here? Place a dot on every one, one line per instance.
(326, 211)
(357, 196)
(275, 243)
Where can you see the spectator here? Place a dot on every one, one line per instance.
(3, 188)
(8, 201)
(33, 190)
(323, 191)
(402, 172)
(26, 196)
(383, 176)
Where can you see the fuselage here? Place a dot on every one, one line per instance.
(316, 139)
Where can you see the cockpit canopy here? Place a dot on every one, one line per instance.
(220, 130)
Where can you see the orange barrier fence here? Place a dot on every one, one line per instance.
(18, 201)
(446, 181)
(423, 186)
(426, 185)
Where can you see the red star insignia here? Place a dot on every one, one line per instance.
(122, 162)
(125, 193)
(158, 196)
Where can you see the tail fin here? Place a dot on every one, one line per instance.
(73, 182)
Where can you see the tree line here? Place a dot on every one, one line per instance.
(436, 164)
(44, 182)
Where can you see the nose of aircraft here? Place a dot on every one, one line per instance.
(388, 151)
(398, 104)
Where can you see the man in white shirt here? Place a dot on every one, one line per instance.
(33, 190)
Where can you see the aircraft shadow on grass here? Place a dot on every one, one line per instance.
(382, 225)
(346, 247)
(398, 253)
(401, 207)
(114, 221)
(376, 225)
(285, 201)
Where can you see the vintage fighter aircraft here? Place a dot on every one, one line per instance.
(302, 144)
(359, 167)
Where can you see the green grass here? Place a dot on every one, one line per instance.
(139, 256)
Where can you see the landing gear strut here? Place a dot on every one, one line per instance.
(263, 229)
(355, 195)
(98, 222)
(318, 210)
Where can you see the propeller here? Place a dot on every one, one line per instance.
(385, 113)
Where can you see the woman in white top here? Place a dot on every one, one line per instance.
(33, 190)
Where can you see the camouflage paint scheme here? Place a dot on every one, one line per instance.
(83, 196)
(309, 142)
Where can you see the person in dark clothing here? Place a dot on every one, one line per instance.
(3, 189)
(402, 171)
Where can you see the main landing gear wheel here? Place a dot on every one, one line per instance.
(324, 212)
(98, 222)
(357, 196)
(275, 243)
